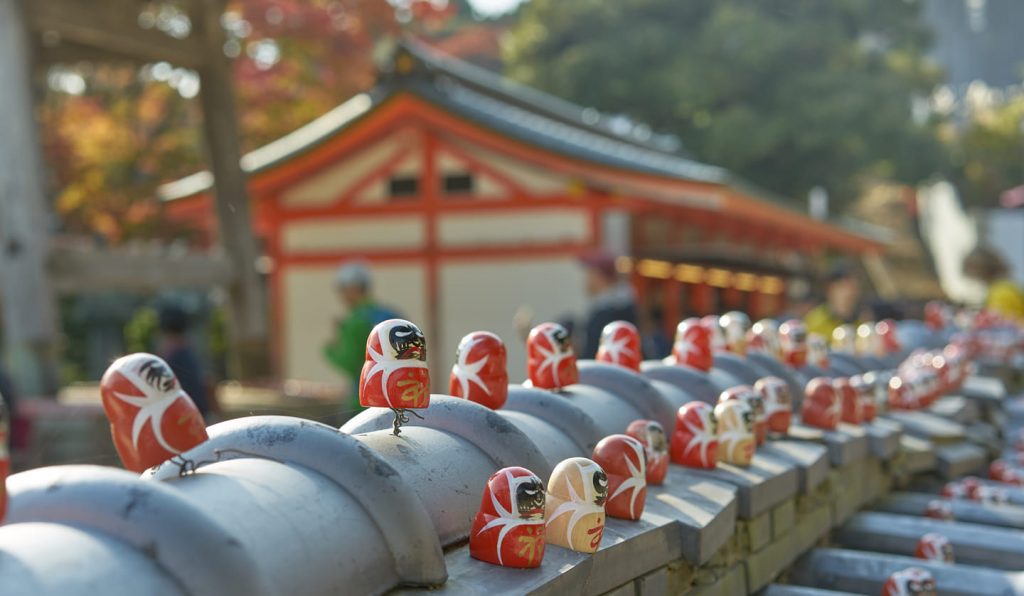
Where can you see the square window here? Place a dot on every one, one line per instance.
(403, 187)
(455, 184)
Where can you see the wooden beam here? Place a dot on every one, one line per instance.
(111, 27)
(248, 313)
(29, 311)
(88, 270)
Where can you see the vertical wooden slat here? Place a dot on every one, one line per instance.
(29, 313)
(247, 295)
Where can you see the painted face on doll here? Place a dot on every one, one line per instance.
(793, 339)
(652, 436)
(746, 394)
(821, 406)
(395, 373)
(151, 418)
(764, 337)
(935, 547)
(736, 440)
(851, 407)
(735, 325)
(888, 336)
(480, 373)
(695, 439)
(778, 403)
(575, 514)
(623, 460)
(714, 327)
(912, 581)
(551, 361)
(508, 529)
(817, 351)
(620, 344)
(692, 346)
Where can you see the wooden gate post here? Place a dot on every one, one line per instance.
(29, 312)
(248, 302)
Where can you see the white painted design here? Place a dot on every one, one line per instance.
(637, 475)
(508, 519)
(468, 373)
(702, 438)
(578, 507)
(552, 358)
(387, 364)
(616, 348)
(153, 402)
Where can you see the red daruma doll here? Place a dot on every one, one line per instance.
(551, 362)
(692, 345)
(935, 547)
(912, 581)
(754, 400)
(480, 373)
(652, 436)
(695, 439)
(821, 407)
(575, 515)
(508, 529)
(778, 403)
(793, 339)
(395, 373)
(851, 408)
(622, 459)
(151, 418)
(620, 344)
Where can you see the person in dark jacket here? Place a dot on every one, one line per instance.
(177, 351)
(611, 299)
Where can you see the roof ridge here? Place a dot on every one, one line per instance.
(590, 118)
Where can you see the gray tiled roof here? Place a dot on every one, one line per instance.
(497, 103)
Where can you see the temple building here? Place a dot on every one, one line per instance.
(472, 197)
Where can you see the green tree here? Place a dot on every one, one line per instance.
(989, 151)
(787, 93)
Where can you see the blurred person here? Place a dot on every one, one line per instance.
(611, 298)
(654, 342)
(842, 305)
(176, 349)
(347, 350)
(1004, 296)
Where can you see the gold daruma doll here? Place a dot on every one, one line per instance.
(577, 492)
(735, 432)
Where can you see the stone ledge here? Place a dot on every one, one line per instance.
(811, 461)
(929, 426)
(954, 461)
(918, 455)
(704, 509)
(883, 441)
(765, 483)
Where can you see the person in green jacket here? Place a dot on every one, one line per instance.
(347, 350)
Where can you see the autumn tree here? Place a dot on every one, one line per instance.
(112, 133)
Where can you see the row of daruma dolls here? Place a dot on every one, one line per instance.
(153, 420)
